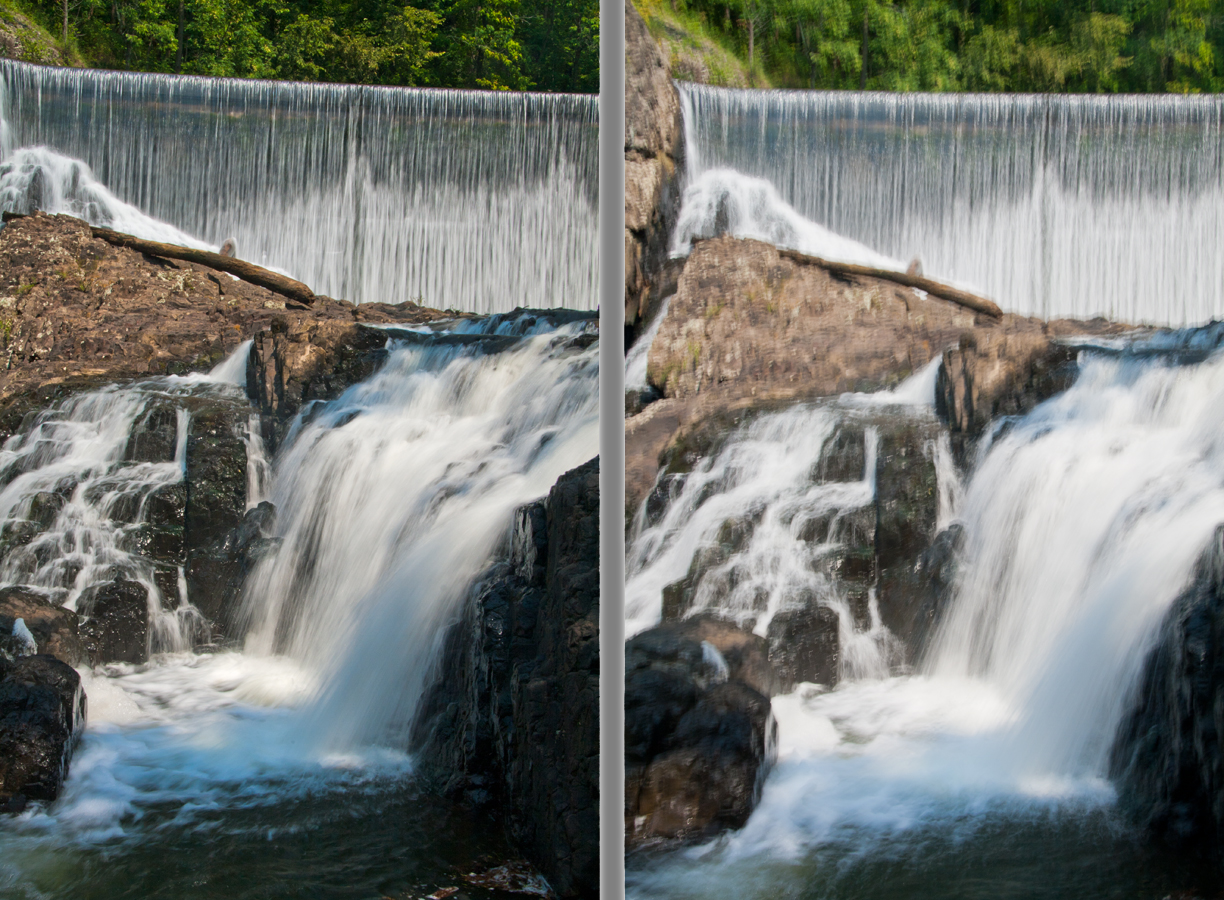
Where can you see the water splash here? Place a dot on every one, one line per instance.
(481, 201)
(393, 499)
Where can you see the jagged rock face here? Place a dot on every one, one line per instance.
(882, 547)
(216, 481)
(654, 148)
(1167, 759)
(302, 361)
(56, 630)
(989, 375)
(513, 714)
(42, 715)
(116, 622)
(699, 733)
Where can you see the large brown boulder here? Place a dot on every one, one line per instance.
(78, 312)
(654, 149)
(751, 327)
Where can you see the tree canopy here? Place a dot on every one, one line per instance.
(490, 44)
(976, 45)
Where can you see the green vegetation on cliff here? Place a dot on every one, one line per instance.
(548, 45)
(951, 45)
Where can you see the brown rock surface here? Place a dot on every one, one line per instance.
(76, 311)
(751, 328)
(654, 138)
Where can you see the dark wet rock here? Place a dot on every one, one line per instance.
(55, 629)
(45, 507)
(805, 645)
(162, 536)
(42, 715)
(933, 580)
(115, 622)
(1167, 760)
(512, 717)
(699, 733)
(154, 436)
(907, 507)
(216, 480)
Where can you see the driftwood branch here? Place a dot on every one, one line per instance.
(280, 284)
(935, 288)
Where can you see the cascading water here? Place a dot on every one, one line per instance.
(482, 201)
(200, 772)
(74, 510)
(1052, 205)
(983, 774)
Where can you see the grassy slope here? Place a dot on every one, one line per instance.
(23, 37)
(695, 52)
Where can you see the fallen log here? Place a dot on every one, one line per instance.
(280, 284)
(934, 288)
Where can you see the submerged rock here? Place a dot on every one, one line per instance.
(1167, 759)
(513, 714)
(42, 715)
(699, 732)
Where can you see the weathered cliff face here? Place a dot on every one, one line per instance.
(699, 733)
(654, 152)
(513, 715)
(1167, 759)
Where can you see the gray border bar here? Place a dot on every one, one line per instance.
(612, 447)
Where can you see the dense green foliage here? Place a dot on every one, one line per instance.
(494, 44)
(976, 45)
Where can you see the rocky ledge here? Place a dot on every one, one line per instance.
(513, 713)
(77, 312)
(752, 327)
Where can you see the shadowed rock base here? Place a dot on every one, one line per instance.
(513, 715)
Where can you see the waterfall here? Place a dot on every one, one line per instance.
(392, 501)
(481, 201)
(1082, 522)
(1053, 205)
(80, 483)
